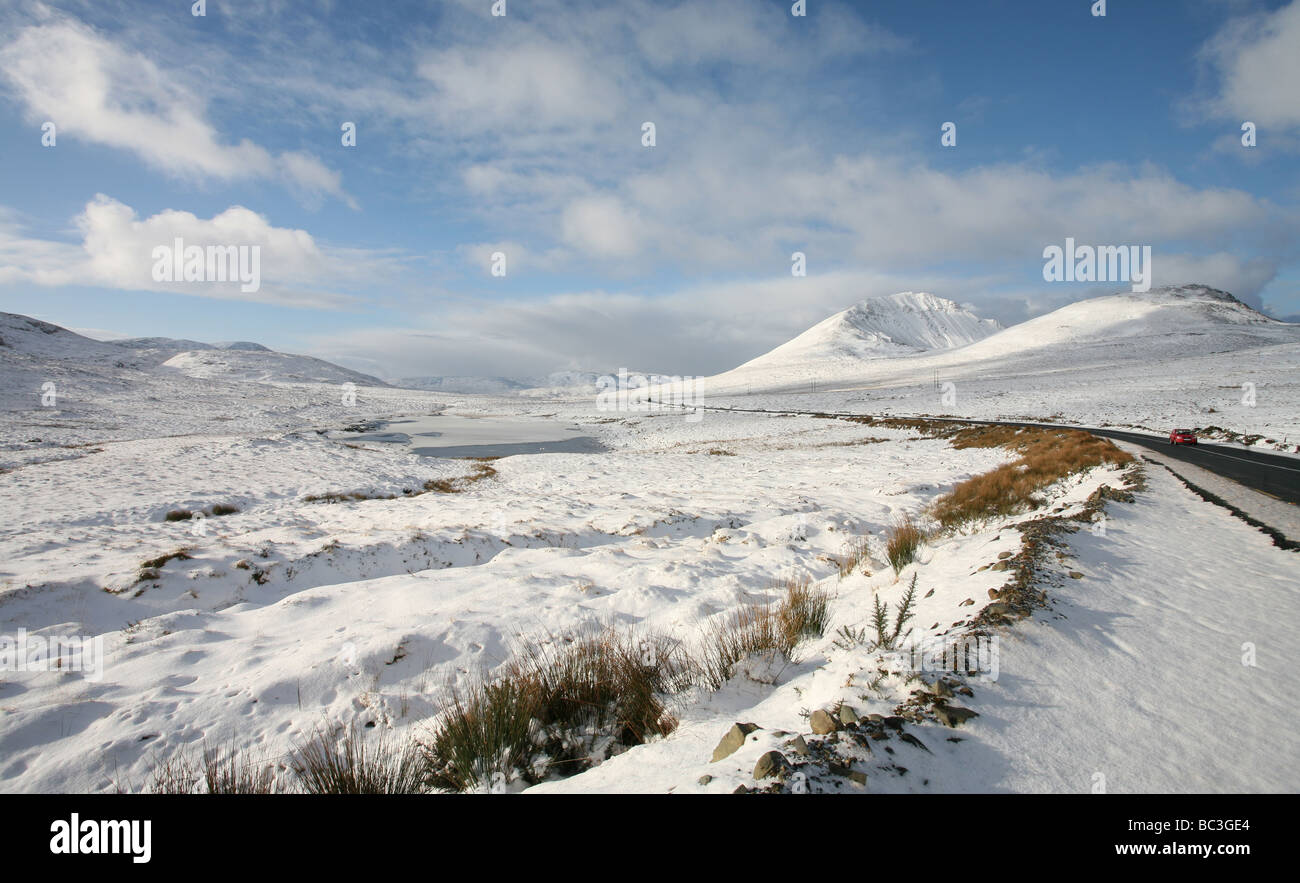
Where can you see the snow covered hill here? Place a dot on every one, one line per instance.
(31, 341)
(894, 325)
(1182, 355)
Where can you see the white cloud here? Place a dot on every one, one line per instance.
(1257, 60)
(94, 90)
(117, 251)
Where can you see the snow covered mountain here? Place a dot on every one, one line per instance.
(893, 325)
(27, 343)
(910, 338)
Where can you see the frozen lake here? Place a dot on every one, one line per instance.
(444, 435)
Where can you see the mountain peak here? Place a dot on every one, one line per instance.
(889, 325)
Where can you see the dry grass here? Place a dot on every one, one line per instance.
(904, 538)
(1046, 456)
(558, 706)
(855, 552)
(483, 469)
(762, 628)
(325, 765)
(220, 772)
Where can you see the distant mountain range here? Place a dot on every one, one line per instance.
(30, 341)
(908, 338)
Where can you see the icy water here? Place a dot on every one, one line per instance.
(444, 435)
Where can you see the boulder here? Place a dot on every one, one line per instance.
(953, 715)
(771, 765)
(734, 738)
(822, 723)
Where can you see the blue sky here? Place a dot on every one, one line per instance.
(522, 135)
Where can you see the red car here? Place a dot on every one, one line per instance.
(1182, 437)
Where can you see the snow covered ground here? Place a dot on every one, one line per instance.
(1189, 356)
(352, 581)
(291, 614)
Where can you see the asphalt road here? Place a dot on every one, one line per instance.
(1273, 474)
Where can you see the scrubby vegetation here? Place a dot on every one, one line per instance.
(558, 705)
(326, 765)
(856, 551)
(762, 629)
(904, 539)
(1046, 456)
(219, 772)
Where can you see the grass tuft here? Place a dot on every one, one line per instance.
(904, 539)
(329, 765)
(762, 628)
(559, 706)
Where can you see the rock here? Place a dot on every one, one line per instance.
(848, 715)
(1074, 574)
(1003, 556)
(968, 602)
(798, 746)
(858, 776)
(894, 722)
(1000, 566)
(912, 740)
(704, 780)
(941, 688)
(982, 567)
(997, 608)
(953, 715)
(771, 765)
(740, 789)
(994, 593)
(822, 723)
(734, 738)
(965, 691)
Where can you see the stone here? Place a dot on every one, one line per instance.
(1074, 574)
(706, 779)
(953, 715)
(858, 776)
(994, 594)
(1000, 566)
(798, 746)
(821, 722)
(734, 738)
(1003, 556)
(894, 722)
(941, 688)
(968, 602)
(913, 741)
(848, 715)
(771, 765)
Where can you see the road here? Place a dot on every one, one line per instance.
(1274, 474)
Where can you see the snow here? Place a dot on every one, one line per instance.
(290, 614)
(1187, 355)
